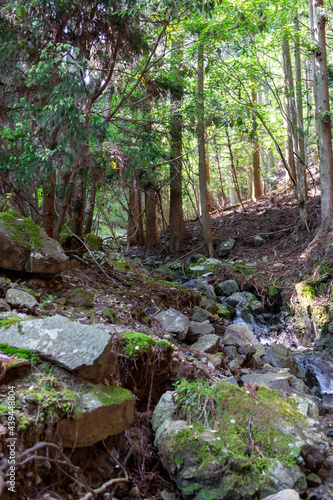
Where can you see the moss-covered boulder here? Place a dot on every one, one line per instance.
(26, 247)
(100, 412)
(79, 297)
(204, 266)
(94, 242)
(313, 311)
(220, 441)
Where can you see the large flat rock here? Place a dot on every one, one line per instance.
(79, 348)
(101, 412)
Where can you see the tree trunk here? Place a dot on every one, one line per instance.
(77, 205)
(152, 236)
(49, 195)
(323, 119)
(257, 191)
(177, 224)
(90, 205)
(205, 219)
(135, 233)
(303, 187)
(290, 112)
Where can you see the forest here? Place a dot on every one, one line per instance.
(166, 256)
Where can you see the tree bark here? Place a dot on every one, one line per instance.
(49, 196)
(90, 205)
(205, 219)
(257, 191)
(152, 236)
(135, 233)
(77, 205)
(323, 119)
(177, 227)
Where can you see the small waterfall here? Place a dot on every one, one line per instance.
(322, 371)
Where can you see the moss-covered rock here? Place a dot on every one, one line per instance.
(80, 297)
(204, 266)
(219, 440)
(23, 229)
(136, 344)
(111, 316)
(100, 412)
(94, 242)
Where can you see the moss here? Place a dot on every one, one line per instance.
(136, 344)
(223, 311)
(24, 230)
(320, 314)
(79, 297)
(112, 395)
(272, 291)
(241, 268)
(233, 421)
(306, 294)
(12, 320)
(111, 316)
(21, 353)
(94, 242)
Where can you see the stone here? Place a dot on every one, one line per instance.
(26, 247)
(200, 314)
(182, 446)
(203, 287)
(19, 299)
(279, 356)
(287, 494)
(236, 363)
(230, 351)
(119, 262)
(258, 241)
(248, 301)
(173, 321)
(223, 311)
(207, 343)
(215, 359)
(225, 247)
(227, 288)
(201, 328)
(4, 306)
(78, 348)
(204, 266)
(102, 411)
(79, 297)
(247, 337)
(206, 303)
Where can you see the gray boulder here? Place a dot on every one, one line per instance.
(248, 301)
(287, 494)
(280, 356)
(225, 247)
(238, 335)
(102, 411)
(207, 343)
(173, 321)
(79, 348)
(197, 329)
(227, 288)
(204, 266)
(26, 247)
(200, 314)
(19, 299)
(258, 241)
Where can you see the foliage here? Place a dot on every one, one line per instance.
(136, 344)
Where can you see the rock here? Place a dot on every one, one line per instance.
(230, 351)
(204, 266)
(173, 321)
(215, 359)
(186, 450)
(247, 337)
(26, 247)
(248, 301)
(200, 314)
(222, 311)
(207, 343)
(4, 306)
(206, 303)
(197, 329)
(102, 411)
(287, 494)
(203, 287)
(313, 480)
(227, 288)
(313, 457)
(280, 356)
(236, 363)
(209, 277)
(4, 285)
(258, 241)
(19, 299)
(225, 247)
(119, 262)
(79, 297)
(79, 348)
(74, 264)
